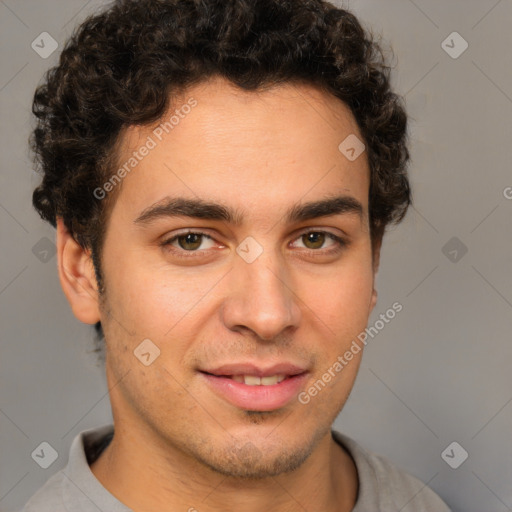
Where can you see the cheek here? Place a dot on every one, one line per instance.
(151, 300)
(159, 301)
(342, 299)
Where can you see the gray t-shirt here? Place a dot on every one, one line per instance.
(382, 486)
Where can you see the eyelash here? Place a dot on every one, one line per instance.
(341, 244)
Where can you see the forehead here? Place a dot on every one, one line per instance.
(250, 149)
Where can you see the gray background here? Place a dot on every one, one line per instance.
(439, 372)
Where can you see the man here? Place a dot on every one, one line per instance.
(221, 175)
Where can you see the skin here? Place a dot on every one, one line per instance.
(177, 445)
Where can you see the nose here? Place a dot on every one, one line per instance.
(260, 298)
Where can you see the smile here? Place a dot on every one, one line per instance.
(255, 393)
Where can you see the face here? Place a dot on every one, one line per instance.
(254, 284)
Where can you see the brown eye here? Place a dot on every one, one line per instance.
(189, 241)
(313, 240)
(321, 242)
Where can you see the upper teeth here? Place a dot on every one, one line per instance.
(253, 380)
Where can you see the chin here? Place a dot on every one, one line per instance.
(254, 454)
(250, 463)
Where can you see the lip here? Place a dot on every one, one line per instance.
(256, 398)
(252, 369)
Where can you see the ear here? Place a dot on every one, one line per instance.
(76, 275)
(376, 260)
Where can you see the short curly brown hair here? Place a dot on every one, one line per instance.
(121, 67)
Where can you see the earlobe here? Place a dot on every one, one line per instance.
(375, 263)
(76, 275)
(373, 300)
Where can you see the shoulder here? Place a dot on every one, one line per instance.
(75, 487)
(384, 485)
(48, 497)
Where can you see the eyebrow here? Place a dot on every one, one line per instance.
(201, 209)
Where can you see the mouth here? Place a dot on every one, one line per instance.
(253, 389)
(254, 380)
